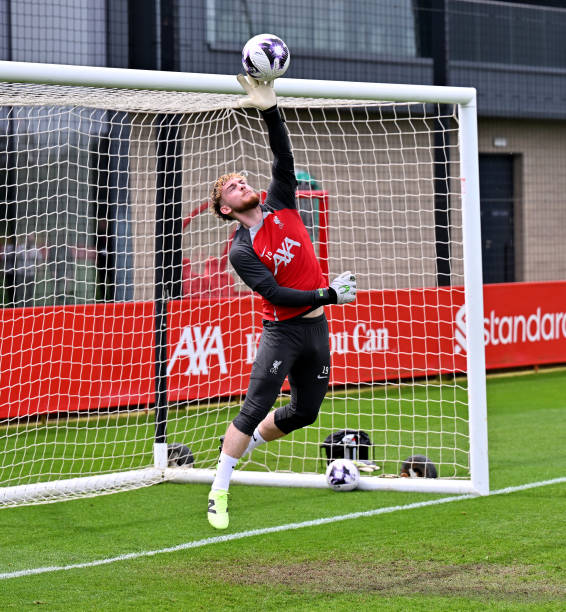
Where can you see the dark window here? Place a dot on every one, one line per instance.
(497, 218)
(365, 28)
(499, 33)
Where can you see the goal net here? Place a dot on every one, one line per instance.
(126, 339)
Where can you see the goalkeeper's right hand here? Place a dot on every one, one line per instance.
(260, 94)
(345, 288)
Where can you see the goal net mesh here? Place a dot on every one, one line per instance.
(81, 172)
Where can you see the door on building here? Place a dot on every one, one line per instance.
(497, 218)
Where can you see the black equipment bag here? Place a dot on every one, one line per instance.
(347, 443)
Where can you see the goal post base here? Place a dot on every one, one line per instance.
(318, 481)
(104, 484)
(72, 488)
(160, 457)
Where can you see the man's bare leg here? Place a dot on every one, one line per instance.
(236, 444)
(268, 430)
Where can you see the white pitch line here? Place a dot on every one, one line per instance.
(256, 532)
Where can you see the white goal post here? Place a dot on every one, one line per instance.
(124, 331)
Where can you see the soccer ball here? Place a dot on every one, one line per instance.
(265, 57)
(342, 475)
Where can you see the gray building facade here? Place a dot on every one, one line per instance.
(514, 54)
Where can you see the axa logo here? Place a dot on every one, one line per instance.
(199, 346)
(284, 254)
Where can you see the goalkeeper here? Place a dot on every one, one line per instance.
(272, 253)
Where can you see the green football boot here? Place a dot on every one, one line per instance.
(218, 508)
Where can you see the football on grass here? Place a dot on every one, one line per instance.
(265, 57)
(342, 475)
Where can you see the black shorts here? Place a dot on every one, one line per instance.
(300, 349)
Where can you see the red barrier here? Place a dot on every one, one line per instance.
(525, 324)
(101, 355)
(75, 357)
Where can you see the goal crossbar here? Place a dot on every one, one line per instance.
(154, 80)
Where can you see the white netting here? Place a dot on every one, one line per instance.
(82, 169)
(139, 100)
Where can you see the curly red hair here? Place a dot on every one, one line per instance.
(216, 194)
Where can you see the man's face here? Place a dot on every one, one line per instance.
(238, 196)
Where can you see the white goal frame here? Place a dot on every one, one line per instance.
(465, 99)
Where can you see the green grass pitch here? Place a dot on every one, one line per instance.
(502, 552)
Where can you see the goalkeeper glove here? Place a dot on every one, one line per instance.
(345, 288)
(260, 94)
(364, 465)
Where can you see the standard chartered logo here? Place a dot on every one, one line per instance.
(531, 327)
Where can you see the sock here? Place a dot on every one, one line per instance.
(255, 441)
(224, 471)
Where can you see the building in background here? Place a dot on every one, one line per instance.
(514, 53)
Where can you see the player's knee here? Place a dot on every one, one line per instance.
(289, 418)
(307, 418)
(247, 420)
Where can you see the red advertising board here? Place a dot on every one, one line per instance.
(66, 358)
(101, 355)
(525, 324)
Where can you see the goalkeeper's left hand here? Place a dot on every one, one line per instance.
(260, 94)
(344, 286)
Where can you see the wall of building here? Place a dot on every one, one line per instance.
(540, 206)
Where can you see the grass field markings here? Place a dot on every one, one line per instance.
(268, 530)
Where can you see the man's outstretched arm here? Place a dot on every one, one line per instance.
(283, 168)
(281, 192)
